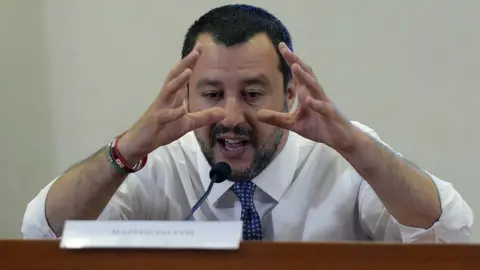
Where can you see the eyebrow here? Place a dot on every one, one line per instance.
(208, 82)
(260, 79)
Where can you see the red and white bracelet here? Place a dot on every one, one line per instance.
(119, 162)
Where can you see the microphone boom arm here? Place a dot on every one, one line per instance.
(219, 173)
(201, 200)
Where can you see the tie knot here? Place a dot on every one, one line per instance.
(244, 191)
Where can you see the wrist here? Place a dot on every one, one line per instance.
(127, 150)
(126, 162)
(364, 155)
(359, 147)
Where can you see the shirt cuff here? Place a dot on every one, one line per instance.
(454, 224)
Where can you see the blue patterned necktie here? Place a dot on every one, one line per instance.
(252, 224)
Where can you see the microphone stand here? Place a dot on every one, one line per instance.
(202, 199)
(218, 174)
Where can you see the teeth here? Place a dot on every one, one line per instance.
(233, 145)
(233, 148)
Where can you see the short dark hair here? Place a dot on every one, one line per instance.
(237, 23)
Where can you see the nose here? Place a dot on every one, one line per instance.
(235, 114)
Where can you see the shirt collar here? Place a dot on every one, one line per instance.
(273, 180)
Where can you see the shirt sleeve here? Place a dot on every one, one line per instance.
(131, 201)
(454, 225)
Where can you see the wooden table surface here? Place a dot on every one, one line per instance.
(42, 254)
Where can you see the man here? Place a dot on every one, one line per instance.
(306, 175)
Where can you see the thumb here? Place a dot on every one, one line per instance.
(274, 118)
(205, 118)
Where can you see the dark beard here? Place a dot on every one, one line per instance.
(264, 154)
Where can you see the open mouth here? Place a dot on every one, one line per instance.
(233, 148)
(233, 145)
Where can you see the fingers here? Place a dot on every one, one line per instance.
(302, 72)
(292, 58)
(180, 96)
(279, 119)
(178, 77)
(175, 114)
(187, 62)
(320, 107)
(312, 86)
(178, 83)
(205, 118)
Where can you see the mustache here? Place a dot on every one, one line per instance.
(217, 130)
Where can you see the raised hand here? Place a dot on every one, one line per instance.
(316, 117)
(167, 118)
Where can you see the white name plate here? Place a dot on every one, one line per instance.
(152, 234)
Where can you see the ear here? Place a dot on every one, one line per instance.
(291, 95)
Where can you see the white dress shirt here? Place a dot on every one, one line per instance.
(308, 193)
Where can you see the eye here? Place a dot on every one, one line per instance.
(253, 95)
(212, 95)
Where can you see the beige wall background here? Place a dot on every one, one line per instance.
(75, 73)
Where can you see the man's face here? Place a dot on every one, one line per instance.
(241, 79)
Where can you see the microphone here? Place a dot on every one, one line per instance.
(219, 173)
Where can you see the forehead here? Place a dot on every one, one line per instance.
(256, 55)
